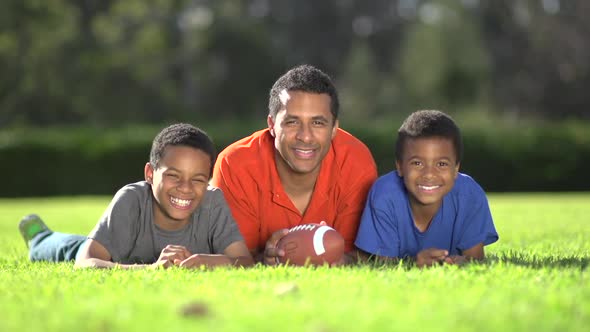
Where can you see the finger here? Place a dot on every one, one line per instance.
(192, 261)
(178, 251)
(275, 237)
(323, 223)
(273, 252)
(438, 254)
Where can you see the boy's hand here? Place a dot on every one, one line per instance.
(431, 256)
(171, 254)
(271, 252)
(456, 260)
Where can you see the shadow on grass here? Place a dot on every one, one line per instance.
(533, 261)
(511, 257)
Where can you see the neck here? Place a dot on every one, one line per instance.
(165, 222)
(293, 182)
(423, 214)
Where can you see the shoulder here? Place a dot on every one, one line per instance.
(346, 145)
(138, 190)
(247, 147)
(388, 188)
(352, 156)
(467, 189)
(213, 198)
(465, 184)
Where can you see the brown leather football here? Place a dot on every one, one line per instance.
(311, 244)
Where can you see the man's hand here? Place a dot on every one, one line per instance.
(271, 252)
(171, 254)
(431, 256)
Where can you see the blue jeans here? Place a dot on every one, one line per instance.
(55, 247)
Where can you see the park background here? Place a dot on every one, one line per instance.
(86, 84)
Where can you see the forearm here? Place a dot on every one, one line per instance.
(102, 264)
(217, 260)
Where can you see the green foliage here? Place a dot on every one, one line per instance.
(66, 161)
(536, 278)
(444, 64)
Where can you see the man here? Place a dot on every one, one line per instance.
(301, 169)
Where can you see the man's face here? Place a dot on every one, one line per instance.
(178, 184)
(429, 168)
(303, 130)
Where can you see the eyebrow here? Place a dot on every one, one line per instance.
(317, 117)
(419, 157)
(178, 171)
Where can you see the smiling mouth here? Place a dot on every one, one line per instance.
(428, 188)
(180, 203)
(304, 153)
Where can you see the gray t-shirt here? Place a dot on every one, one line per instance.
(127, 229)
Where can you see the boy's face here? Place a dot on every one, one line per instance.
(303, 131)
(178, 185)
(429, 168)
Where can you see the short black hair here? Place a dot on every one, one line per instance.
(181, 134)
(428, 123)
(305, 78)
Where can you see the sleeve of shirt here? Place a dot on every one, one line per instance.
(116, 228)
(224, 230)
(378, 231)
(240, 201)
(478, 224)
(350, 208)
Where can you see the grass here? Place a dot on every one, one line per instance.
(536, 279)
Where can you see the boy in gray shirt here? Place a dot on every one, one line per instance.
(172, 218)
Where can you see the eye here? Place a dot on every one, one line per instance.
(443, 164)
(290, 122)
(416, 163)
(199, 181)
(172, 176)
(318, 123)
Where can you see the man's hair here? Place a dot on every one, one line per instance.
(303, 78)
(181, 134)
(429, 123)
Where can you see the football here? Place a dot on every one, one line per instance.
(311, 244)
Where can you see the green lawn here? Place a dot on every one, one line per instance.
(536, 279)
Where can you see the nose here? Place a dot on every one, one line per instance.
(428, 171)
(184, 185)
(304, 133)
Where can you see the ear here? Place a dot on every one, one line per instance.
(335, 128)
(148, 173)
(271, 124)
(457, 167)
(398, 167)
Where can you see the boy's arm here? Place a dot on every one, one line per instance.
(95, 255)
(475, 253)
(236, 254)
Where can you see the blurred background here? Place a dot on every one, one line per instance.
(86, 84)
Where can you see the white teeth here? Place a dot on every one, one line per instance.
(428, 187)
(306, 152)
(180, 202)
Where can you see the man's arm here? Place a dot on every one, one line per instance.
(350, 210)
(241, 201)
(236, 254)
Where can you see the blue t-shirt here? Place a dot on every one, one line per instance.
(387, 226)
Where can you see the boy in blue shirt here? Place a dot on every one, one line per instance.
(427, 210)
